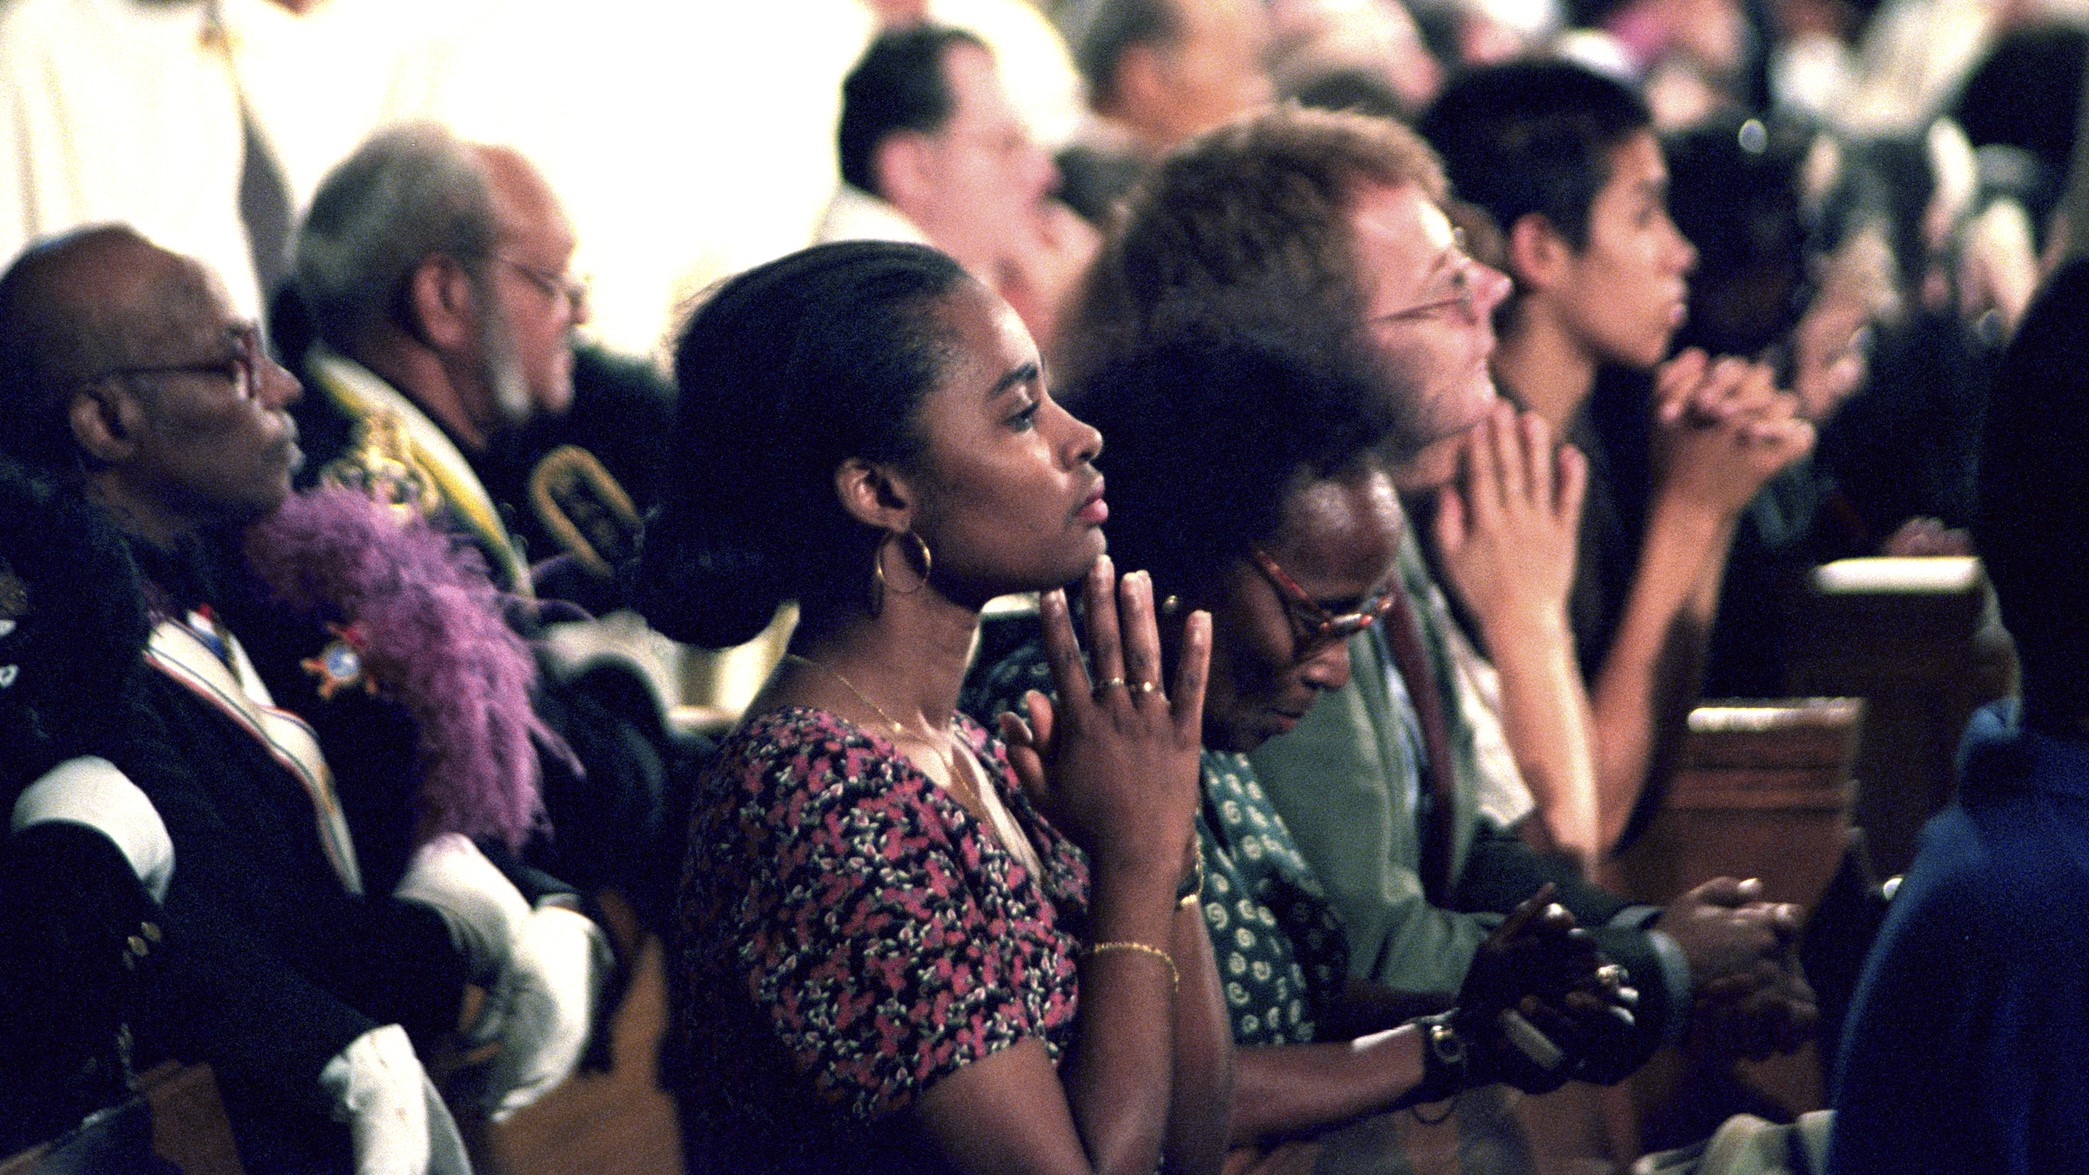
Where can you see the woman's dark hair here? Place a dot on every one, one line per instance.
(2031, 525)
(785, 372)
(1210, 429)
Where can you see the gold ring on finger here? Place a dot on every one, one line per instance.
(1107, 683)
(1146, 687)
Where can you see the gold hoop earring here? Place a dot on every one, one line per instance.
(880, 584)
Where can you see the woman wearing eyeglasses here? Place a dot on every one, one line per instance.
(1248, 487)
(887, 958)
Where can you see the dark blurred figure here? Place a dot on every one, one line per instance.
(1963, 1051)
(1961, 260)
(2020, 108)
(1767, 288)
(85, 861)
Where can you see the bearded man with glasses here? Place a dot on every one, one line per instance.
(434, 277)
(446, 376)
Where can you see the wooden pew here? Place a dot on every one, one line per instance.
(1918, 640)
(1764, 789)
(188, 1127)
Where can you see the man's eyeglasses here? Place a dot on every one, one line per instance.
(553, 285)
(1459, 290)
(1314, 628)
(242, 366)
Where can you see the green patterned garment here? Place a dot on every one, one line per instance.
(1279, 946)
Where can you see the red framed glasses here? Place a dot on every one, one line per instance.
(1313, 627)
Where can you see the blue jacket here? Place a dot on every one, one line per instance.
(1965, 1048)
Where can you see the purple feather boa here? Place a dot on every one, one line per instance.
(427, 623)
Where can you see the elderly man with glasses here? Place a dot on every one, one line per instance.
(317, 823)
(433, 275)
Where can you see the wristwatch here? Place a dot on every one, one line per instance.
(1445, 1059)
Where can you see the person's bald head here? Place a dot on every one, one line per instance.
(122, 366)
(88, 301)
(520, 194)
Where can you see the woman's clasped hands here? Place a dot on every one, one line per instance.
(1112, 760)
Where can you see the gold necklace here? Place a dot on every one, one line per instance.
(943, 754)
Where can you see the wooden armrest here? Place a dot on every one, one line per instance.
(189, 1127)
(1927, 575)
(1893, 603)
(1794, 734)
(1920, 641)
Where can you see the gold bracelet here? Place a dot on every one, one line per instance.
(1139, 948)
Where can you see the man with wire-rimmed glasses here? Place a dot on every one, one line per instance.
(437, 276)
(1329, 238)
(324, 892)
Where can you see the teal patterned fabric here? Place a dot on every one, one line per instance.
(1278, 943)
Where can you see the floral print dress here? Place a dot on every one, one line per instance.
(848, 934)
